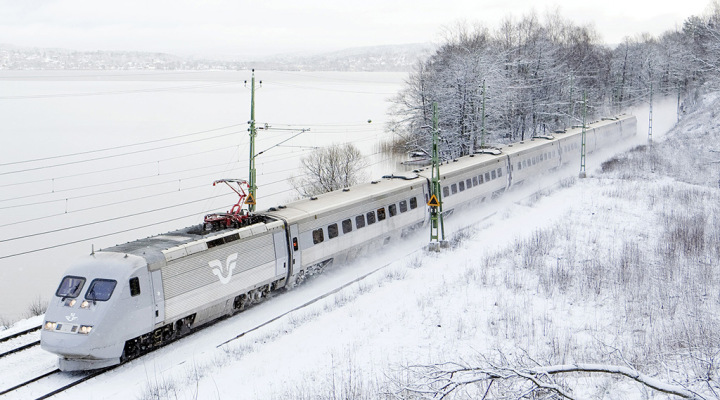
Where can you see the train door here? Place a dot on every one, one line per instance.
(295, 253)
(158, 296)
(281, 253)
(509, 169)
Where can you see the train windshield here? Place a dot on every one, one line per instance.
(70, 286)
(100, 289)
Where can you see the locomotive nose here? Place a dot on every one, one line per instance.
(72, 321)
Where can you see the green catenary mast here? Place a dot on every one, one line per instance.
(253, 132)
(582, 143)
(437, 227)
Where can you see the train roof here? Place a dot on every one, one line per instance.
(512, 149)
(161, 248)
(348, 197)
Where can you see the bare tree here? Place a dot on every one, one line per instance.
(329, 168)
(490, 380)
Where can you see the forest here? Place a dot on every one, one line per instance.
(532, 76)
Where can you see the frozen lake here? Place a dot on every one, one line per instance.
(106, 152)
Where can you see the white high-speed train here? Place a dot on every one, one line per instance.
(118, 303)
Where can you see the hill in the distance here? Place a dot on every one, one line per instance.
(376, 58)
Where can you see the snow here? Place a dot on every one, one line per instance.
(578, 273)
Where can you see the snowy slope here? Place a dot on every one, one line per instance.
(619, 268)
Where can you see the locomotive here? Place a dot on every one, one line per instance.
(118, 303)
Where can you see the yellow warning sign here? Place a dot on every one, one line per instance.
(250, 199)
(433, 202)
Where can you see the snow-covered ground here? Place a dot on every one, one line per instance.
(619, 268)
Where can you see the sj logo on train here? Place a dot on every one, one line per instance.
(224, 273)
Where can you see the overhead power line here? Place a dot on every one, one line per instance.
(100, 236)
(117, 147)
(111, 219)
(45, 217)
(155, 162)
(116, 155)
(102, 193)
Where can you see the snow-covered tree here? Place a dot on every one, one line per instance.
(329, 168)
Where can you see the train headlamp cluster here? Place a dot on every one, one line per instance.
(54, 326)
(85, 304)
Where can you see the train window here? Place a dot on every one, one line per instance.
(403, 206)
(100, 290)
(446, 191)
(493, 174)
(318, 236)
(134, 286)
(413, 203)
(453, 188)
(347, 226)
(392, 209)
(295, 244)
(487, 177)
(381, 213)
(480, 178)
(519, 165)
(475, 181)
(332, 231)
(360, 221)
(468, 183)
(499, 170)
(70, 286)
(371, 217)
(461, 185)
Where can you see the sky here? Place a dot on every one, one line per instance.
(268, 27)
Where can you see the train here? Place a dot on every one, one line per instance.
(121, 302)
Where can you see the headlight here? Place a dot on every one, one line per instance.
(85, 329)
(85, 304)
(70, 302)
(50, 326)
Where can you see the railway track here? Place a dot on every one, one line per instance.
(21, 337)
(18, 334)
(58, 380)
(62, 381)
(37, 387)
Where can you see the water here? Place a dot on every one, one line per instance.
(194, 129)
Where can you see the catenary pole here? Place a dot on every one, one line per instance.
(253, 132)
(582, 143)
(437, 227)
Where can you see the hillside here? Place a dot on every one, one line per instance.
(616, 269)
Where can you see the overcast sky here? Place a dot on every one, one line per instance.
(264, 27)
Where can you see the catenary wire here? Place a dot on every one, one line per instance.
(116, 155)
(111, 191)
(101, 236)
(102, 205)
(111, 219)
(118, 147)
